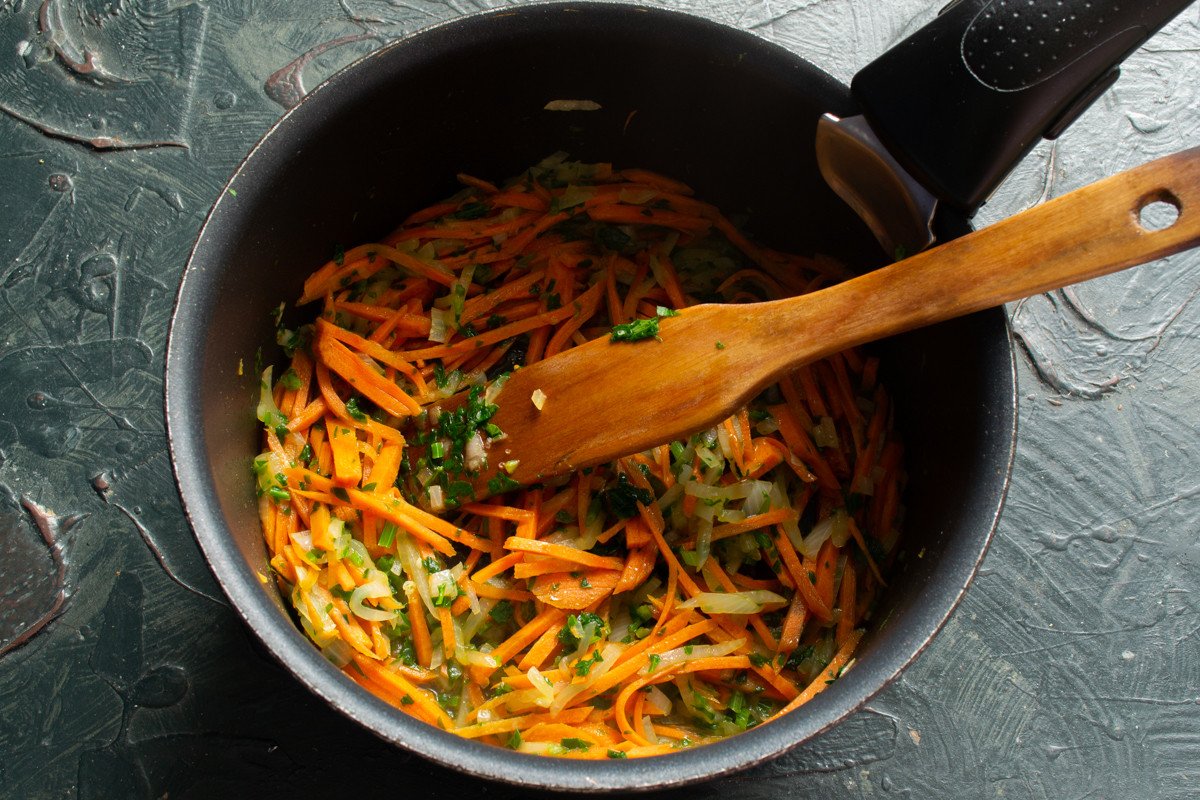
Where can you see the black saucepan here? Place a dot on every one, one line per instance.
(727, 112)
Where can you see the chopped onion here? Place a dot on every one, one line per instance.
(709, 458)
(825, 433)
(437, 499)
(726, 444)
(267, 412)
(475, 658)
(543, 687)
(812, 543)
(538, 398)
(443, 583)
(694, 652)
(373, 591)
(670, 496)
(473, 454)
(493, 389)
(767, 425)
(303, 540)
(338, 652)
(749, 602)
(658, 701)
(439, 327)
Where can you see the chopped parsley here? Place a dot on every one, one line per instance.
(584, 665)
(573, 632)
(623, 498)
(290, 379)
(636, 331)
(354, 411)
(572, 743)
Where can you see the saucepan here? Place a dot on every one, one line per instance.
(735, 116)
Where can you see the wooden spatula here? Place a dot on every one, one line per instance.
(607, 399)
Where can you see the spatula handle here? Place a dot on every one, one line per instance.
(1087, 233)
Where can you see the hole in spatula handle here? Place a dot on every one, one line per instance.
(1158, 211)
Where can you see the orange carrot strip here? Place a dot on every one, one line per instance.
(422, 642)
(563, 552)
(754, 522)
(574, 591)
(495, 568)
(347, 466)
(448, 639)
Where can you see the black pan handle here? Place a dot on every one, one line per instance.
(962, 100)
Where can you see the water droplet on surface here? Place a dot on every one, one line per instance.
(61, 183)
(224, 100)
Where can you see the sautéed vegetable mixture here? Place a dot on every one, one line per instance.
(662, 601)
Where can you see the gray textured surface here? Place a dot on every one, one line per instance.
(1072, 669)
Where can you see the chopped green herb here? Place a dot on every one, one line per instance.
(720, 345)
(617, 754)
(353, 410)
(655, 660)
(499, 484)
(406, 700)
(584, 665)
(387, 535)
(572, 743)
(635, 331)
(501, 612)
(290, 379)
(623, 498)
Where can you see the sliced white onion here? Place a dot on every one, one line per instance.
(748, 602)
(372, 591)
(687, 653)
(543, 686)
(657, 701)
(816, 537)
(439, 325)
